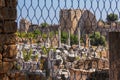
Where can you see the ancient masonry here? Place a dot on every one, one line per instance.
(71, 19)
(24, 25)
(8, 27)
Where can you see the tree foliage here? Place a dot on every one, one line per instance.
(96, 39)
(112, 17)
(43, 25)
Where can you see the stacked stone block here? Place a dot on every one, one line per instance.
(8, 38)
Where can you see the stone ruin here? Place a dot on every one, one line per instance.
(8, 27)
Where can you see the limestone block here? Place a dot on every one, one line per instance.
(9, 60)
(5, 67)
(8, 27)
(8, 13)
(11, 3)
(9, 51)
(2, 3)
(8, 39)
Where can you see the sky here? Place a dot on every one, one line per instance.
(39, 11)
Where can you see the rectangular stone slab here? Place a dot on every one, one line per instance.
(8, 27)
(8, 13)
(9, 51)
(5, 67)
(11, 3)
(6, 39)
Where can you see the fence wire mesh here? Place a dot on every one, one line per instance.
(65, 39)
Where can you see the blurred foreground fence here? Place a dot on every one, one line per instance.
(59, 39)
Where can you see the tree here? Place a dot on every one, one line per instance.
(96, 39)
(112, 17)
(43, 25)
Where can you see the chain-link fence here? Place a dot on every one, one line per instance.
(65, 39)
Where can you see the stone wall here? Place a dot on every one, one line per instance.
(73, 18)
(69, 19)
(8, 27)
(24, 25)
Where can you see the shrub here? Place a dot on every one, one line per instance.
(64, 37)
(73, 38)
(112, 17)
(27, 55)
(96, 39)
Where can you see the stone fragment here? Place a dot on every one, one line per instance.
(8, 13)
(8, 27)
(9, 51)
(8, 39)
(5, 67)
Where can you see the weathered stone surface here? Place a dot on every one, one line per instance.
(1, 23)
(5, 67)
(4, 77)
(73, 18)
(8, 13)
(2, 3)
(11, 3)
(7, 39)
(36, 77)
(9, 51)
(1, 49)
(9, 60)
(114, 55)
(0, 56)
(8, 27)
(11, 75)
(20, 77)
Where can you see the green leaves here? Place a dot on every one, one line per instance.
(112, 17)
(27, 55)
(96, 39)
(73, 38)
(64, 37)
(43, 25)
